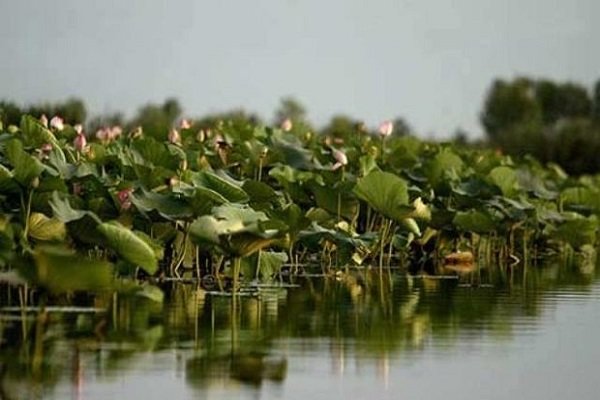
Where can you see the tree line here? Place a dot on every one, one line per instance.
(553, 121)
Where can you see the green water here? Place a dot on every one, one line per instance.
(528, 334)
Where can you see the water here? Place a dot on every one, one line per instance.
(495, 335)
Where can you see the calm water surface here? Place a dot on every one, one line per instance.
(497, 335)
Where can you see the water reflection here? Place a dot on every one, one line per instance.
(359, 321)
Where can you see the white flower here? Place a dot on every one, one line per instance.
(57, 123)
(174, 136)
(386, 128)
(185, 124)
(340, 158)
(287, 125)
(44, 120)
(78, 128)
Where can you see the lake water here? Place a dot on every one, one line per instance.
(503, 334)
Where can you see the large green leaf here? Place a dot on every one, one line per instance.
(238, 230)
(64, 212)
(26, 167)
(506, 179)
(167, 205)
(224, 187)
(7, 182)
(386, 193)
(35, 134)
(578, 231)
(46, 229)
(129, 246)
(474, 221)
(446, 161)
(581, 199)
(60, 270)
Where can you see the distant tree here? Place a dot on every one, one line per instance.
(73, 111)
(549, 97)
(341, 125)
(575, 146)
(101, 121)
(10, 113)
(157, 120)
(401, 127)
(508, 105)
(290, 108)
(596, 102)
(575, 101)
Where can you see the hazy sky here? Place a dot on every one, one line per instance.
(429, 61)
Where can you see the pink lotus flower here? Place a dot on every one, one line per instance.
(114, 132)
(174, 136)
(44, 120)
(340, 158)
(185, 124)
(124, 197)
(78, 128)
(57, 123)
(80, 142)
(103, 134)
(287, 125)
(386, 128)
(44, 151)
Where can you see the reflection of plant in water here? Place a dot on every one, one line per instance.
(363, 313)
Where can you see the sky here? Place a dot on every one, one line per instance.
(430, 62)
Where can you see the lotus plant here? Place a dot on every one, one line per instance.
(57, 123)
(341, 160)
(124, 197)
(80, 142)
(174, 136)
(287, 125)
(185, 124)
(385, 130)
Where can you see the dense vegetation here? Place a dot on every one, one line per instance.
(238, 199)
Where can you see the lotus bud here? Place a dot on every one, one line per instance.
(185, 124)
(44, 151)
(57, 123)
(287, 125)
(183, 165)
(80, 142)
(35, 182)
(174, 136)
(386, 128)
(264, 152)
(124, 197)
(340, 158)
(78, 128)
(201, 136)
(115, 132)
(44, 120)
(103, 135)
